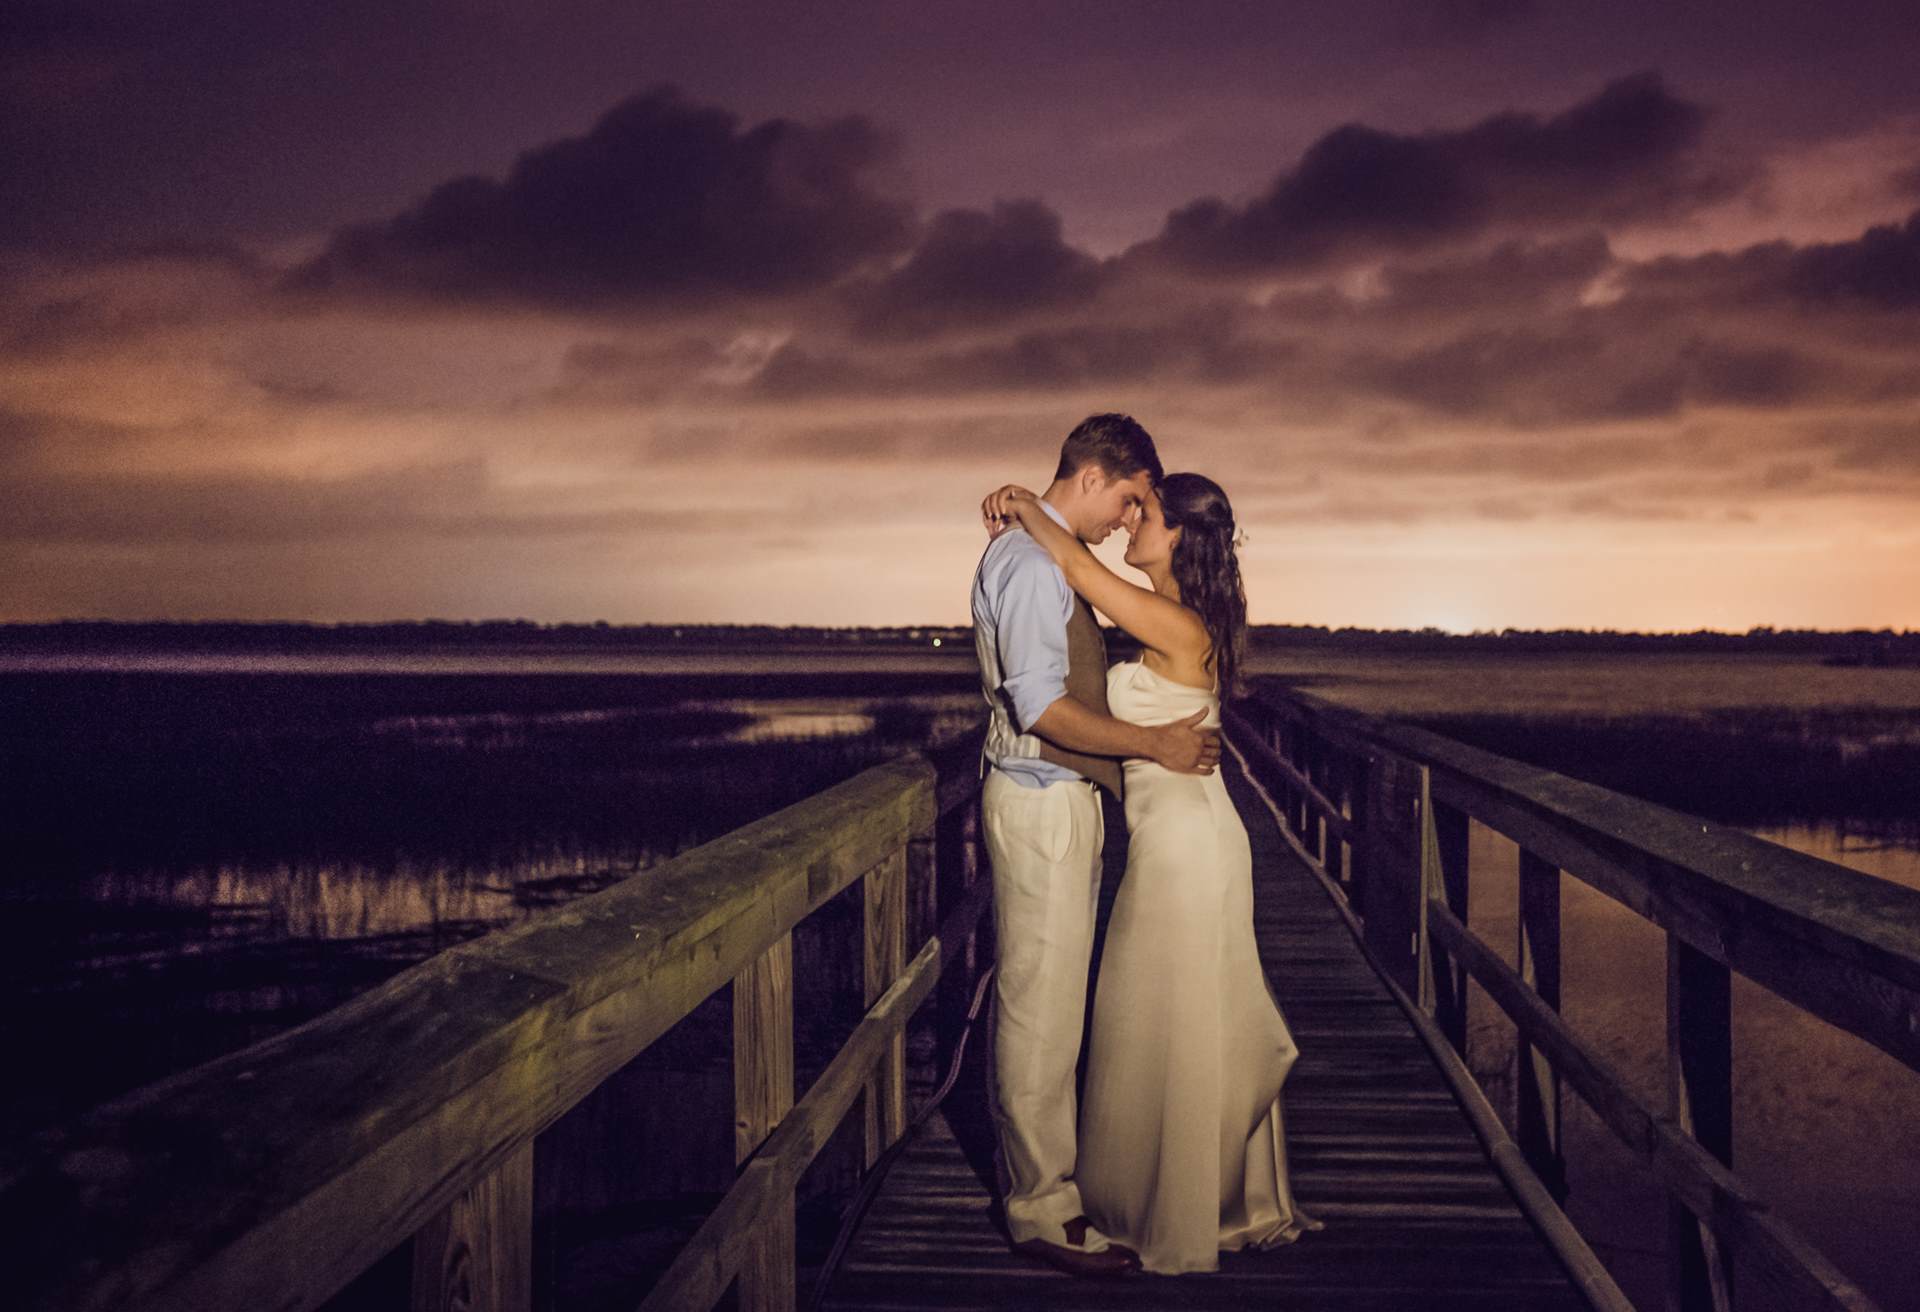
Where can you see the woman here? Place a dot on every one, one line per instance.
(1182, 1150)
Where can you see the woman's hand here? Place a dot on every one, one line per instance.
(1002, 508)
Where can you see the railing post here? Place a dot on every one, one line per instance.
(1536, 1082)
(922, 917)
(762, 1096)
(477, 1256)
(1361, 787)
(1451, 840)
(1391, 893)
(1348, 799)
(885, 956)
(1302, 803)
(1700, 1100)
(954, 869)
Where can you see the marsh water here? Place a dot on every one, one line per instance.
(202, 849)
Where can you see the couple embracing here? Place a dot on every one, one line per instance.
(1178, 1151)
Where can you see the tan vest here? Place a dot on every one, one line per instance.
(1086, 684)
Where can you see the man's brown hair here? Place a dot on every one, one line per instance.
(1112, 441)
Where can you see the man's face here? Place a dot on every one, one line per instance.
(1112, 503)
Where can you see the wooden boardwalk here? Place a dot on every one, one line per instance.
(1416, 1216)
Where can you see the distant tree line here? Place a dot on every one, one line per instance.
(202, 635)
(1852, 647)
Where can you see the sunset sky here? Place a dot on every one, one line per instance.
(1486, 313)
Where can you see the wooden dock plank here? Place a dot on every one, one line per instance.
(1416, 1215)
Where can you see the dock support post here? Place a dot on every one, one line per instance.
(477, 1256)
(1391, 896)
(762, 1096)
(1536, 1082)
(1700, 1100)
(1450, 977)
(885, 957)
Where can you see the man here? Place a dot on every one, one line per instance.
(1043, 670)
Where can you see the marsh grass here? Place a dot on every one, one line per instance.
(192, 862)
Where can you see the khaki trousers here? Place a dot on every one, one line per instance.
(1044, 844)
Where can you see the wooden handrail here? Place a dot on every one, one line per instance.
(1839, 944)
(1535, 1199)
(710, 1260)
(1709, 1190)
(1250, 742)
(271, 1177)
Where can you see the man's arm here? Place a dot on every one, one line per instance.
(1182, 746)
(1031, 604)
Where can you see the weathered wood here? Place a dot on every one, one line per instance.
(1536, 1083)
(1327, 813)
(708, 1262)
(1347, 833)
(1286, 774)
(1430, 886)
(1693, 1176)
(884, 954)
(340, 1138)
(1390, 897)
(1840, 944)
(1415, 1215)
(1700, 1102)
(957, 765)
(477, 1255)
(762, 1096)
(955, 873)
(922, 889)
(1450, 979)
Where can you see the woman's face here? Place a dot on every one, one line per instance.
(1151, 542)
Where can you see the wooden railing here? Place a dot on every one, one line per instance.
(271, 1178)
(1384, 809)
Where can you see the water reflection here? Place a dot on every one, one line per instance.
(346, 900)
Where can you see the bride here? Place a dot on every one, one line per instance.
(1182, 1147)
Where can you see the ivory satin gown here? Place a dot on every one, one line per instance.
(1182, 1146)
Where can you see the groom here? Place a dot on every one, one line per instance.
(1049, 740)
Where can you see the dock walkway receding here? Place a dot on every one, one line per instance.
(1416, 1216)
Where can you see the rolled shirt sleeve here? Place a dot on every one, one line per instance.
(1031, 613)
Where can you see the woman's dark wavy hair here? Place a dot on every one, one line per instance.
(1207, 566)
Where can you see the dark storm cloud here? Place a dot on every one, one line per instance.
(74, 507)
(1879, 270)
(1513, 276)
(662, 198)
(1205, 345)
(1882, 268)
(1449, 21)
(1879, 446)
(114, 307)
(966, 438)
(620, 372)
(1626, 153)
(1604, 367)
(975, 267)
(453, 499)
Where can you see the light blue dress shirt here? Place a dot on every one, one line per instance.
(1021, 605)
